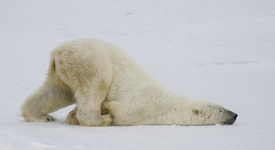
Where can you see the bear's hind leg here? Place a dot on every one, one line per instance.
(89, 106)
(88, 71)
(50, 97)
(72, 119)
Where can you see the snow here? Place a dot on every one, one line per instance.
(220, 51)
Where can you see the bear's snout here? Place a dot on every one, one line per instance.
(232, 118)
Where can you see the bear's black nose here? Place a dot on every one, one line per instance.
(235, 116)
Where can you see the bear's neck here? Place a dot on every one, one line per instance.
(177, 111)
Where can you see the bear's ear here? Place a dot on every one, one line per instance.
(195, 111)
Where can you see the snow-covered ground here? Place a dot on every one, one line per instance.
(217, 50)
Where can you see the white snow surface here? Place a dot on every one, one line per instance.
(222, 51)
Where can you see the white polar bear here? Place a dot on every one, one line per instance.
(110, 88)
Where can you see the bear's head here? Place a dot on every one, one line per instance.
(206, 113)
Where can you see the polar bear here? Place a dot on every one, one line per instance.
(110, 88)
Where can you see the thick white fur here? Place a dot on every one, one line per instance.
(96, 74)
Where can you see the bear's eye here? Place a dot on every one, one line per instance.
(220, 110)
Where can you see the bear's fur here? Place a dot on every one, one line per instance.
(110, 88)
